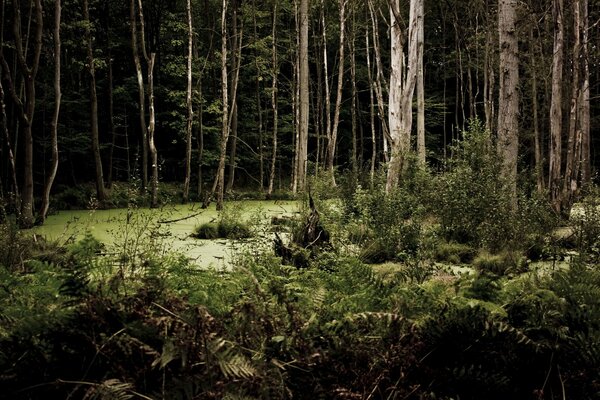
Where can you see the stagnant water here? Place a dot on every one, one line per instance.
(169, 228)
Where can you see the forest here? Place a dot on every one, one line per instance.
(398, 198)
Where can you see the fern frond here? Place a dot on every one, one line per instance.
(231, 363)
(111, 389)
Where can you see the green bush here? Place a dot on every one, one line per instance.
(229, 225)
(454, 253)
(208, 230)
(474, 203)
(499, 264)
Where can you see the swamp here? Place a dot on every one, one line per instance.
(333, 199)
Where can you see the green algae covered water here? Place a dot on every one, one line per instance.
(169, 228)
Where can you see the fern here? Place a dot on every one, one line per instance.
(111, 389)
(232, 364)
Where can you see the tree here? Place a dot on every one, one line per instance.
(141, 90)
(274, 107)
(421, 96)
(54, 124)
(26, 108)
(555, 158)
(147, 133)
(100, 190)
(219, 182)
(190, 111)
(303, 98)
(402, 86)
(331, 146)
(508, 102)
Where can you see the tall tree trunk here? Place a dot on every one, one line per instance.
(236, 53)
(54, 124)
(200, 139)
(95, 136)
(25, 110)
(421, 151)
(303, 98)
(259, 109)
(356, 159)
(190, 110)
(489, 82)
(327, 97)
(508, 102)
(537, 145)
(573, 162)
(111, 121)
(150, 62)
(381, 85)
(141, 91)
(555, 159)
(402, 86)
(151, 130)
(371, 106)
(584, 108)
(219, 183)
(274, 87)
(11, 157)
(332, 145)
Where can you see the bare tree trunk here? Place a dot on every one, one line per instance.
(584, 107)
(259, 109)
(26, 110)
(556, 108)
(303, 106)
(327, 97)
(54, 124)
(11, 157)
(508, 103)
(421, 151)
(332, 145)
(150, 61)
(539, 167)
(219, 183)
(274, 86)
(100, 191)
(151, 130)
(200, 139)
(356, 160)
(381, 85)
(574, 140)
(111, 121)
(489, 84)
(236, 52)
(371, 107)
(402, 87)
(190, 110)
(141, 90)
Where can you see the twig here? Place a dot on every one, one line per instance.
(169, 221)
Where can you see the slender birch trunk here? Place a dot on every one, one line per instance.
(95, 136)
(189, 107)
(54, 124)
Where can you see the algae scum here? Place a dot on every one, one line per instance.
(169, 229)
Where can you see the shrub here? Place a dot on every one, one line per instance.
(454, 253)
(499, 264)
(208, 230)
(585, 218)
(474, 202)
(228, 225)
